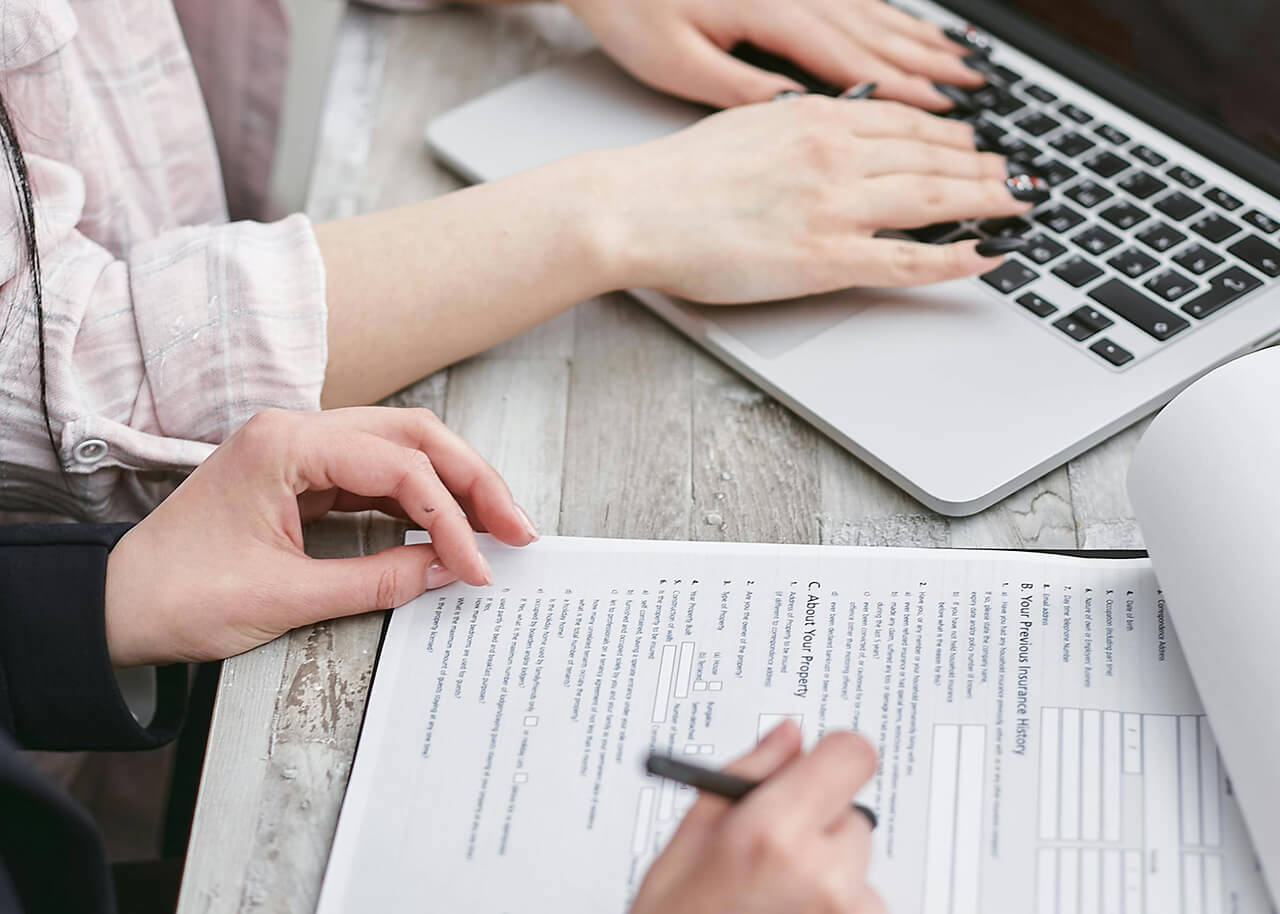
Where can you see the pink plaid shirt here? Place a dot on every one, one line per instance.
(166, 326)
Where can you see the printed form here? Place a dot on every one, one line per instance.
(1042, 745)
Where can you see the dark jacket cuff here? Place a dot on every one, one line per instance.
(57, 687)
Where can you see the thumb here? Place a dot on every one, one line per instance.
(710, 74)
(385, 580)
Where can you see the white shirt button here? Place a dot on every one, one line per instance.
(91, 450)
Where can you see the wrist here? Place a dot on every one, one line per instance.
(601, 221)
(121, 608)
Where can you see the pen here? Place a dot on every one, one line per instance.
(720, 783)
(861, 90)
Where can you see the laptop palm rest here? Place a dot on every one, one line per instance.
(773, 329)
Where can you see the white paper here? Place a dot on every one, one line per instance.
(1043, 748)
(1205, 485)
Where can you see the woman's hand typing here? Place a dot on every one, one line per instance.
(681, 46)
(784, 199)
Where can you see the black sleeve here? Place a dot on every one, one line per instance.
(58, 691)
(57, 687)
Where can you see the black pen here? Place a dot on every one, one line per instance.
(720, 783)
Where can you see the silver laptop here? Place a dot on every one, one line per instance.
(1157, 258)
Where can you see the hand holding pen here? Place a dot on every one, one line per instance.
(792, 844)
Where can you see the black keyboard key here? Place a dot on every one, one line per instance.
(987, 137)
(1019, 150)
(997, 100)
(1111, 134)
(1072, 144)
(1261, 255)
(1161, 237)
(1214, 227)
(1148, 155)
(1038, 306)
(932, 234)
(1106, 164)
(1142, 184)
(1096, 240)
(1074, 329)
(1130, 304)
(1078, 115)
(1091, 317)
(1116, 355)
(1170, 285)
(1184, 177)
(1055, 172)
(1261, 221)
(1224, 288)
(1036, 123)
(1076, 271)
(1222, 198)
(1060, 218)
(1005, 74)
(1197, 259)
(1088, 193)
(1040, 93)
(1125, 215)
(1041, 250)
(1009, 227)
(1179, 206)
(1009, 276)
(1133, 262)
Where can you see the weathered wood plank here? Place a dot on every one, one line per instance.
(337, 186)
(755, 463)
(513, 412)
(629, 437)
(1039, 516)
(861, 508)
(1104, 517)
(438, 61)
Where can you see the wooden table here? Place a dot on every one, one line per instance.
(604, 422)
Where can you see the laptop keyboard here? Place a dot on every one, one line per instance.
(1142, 240)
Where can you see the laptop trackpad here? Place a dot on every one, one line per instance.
(774, 328)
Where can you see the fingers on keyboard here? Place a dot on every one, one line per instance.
(894, 156)
(907, 201)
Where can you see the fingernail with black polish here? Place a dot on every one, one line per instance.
(994, 247)
(956, 96)
(970, 36)
(1028, 188)
(861, 90)
(979, 63)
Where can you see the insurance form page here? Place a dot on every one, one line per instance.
(1042, 746)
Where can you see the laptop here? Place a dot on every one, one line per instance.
(1157, 258)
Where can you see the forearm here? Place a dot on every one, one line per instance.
(414, 289)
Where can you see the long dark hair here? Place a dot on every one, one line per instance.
(21, 181)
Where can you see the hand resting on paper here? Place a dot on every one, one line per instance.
(219, 567)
